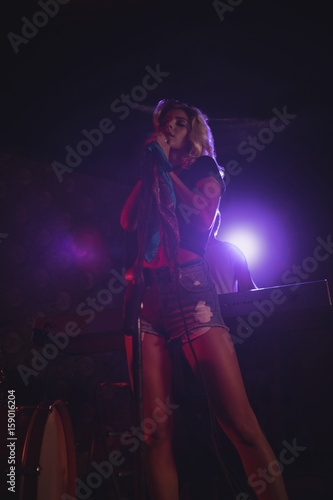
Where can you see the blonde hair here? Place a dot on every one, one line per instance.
(200, 135)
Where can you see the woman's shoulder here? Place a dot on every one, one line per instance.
(208, 166)
(204, 160)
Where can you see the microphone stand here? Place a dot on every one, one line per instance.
(134, 325)
(140, 484)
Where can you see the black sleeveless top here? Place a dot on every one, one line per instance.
(192, 238)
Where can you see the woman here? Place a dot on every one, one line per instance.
(180, 303)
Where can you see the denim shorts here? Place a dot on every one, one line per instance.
(180, 304)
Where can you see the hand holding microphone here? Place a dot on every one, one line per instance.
(162, 140)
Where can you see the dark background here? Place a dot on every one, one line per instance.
(262, 55)
(61, 241)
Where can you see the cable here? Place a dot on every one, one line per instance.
(236, 487)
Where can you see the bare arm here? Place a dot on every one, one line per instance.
(129, 212)
(202, 203)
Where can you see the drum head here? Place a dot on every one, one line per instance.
(48, 458)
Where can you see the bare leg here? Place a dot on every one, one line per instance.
(223, 380)
(161, 471)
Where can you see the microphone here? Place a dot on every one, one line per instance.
(151, 147)
(156, 152)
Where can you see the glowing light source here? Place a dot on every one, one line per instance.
(86, 246)
(259, 231)
(247, 241)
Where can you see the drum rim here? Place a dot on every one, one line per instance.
(31, 454)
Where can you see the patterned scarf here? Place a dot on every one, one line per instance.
(162, 221)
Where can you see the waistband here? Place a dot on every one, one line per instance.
(166, 273)
(190, 263)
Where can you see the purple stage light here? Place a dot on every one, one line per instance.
(86, 246)
(260, 232)
(248, 240)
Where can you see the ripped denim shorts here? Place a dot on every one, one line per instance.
(180, 304)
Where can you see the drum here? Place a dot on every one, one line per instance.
(48, 458)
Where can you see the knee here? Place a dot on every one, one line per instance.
(245, 432)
